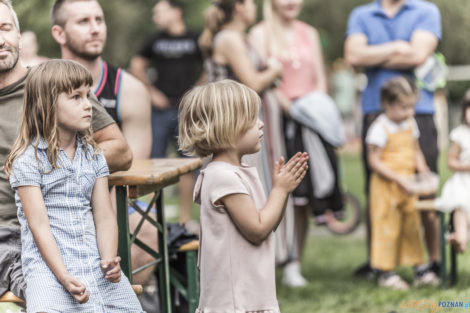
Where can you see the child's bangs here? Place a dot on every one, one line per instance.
(72, 76)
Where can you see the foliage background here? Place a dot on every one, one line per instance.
(129, 23)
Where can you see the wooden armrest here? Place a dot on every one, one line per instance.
(10, 297)
(190, 246)
(137, 289)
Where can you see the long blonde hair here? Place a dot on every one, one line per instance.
(275, 32)
(214, 116)
(217, 15)
(42, 88)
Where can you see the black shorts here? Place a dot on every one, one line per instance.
(428, 139)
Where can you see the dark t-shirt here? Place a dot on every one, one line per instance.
(177, 61)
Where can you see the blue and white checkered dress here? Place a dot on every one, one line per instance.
(67, 196)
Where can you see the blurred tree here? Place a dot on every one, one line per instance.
(130, 22)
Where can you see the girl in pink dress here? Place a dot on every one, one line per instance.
(236, 252)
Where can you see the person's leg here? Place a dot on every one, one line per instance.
(11, 275)
(161, 130)
(292, 276)
(430, 220)
(460, 227)
(386, 223)
(365, 270)
(186, 182)
(186, 185)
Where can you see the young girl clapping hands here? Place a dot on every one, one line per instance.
(237, 221)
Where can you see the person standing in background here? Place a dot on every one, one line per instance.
(296, 45)
(390, 38)
(175, 59)
(29, 50)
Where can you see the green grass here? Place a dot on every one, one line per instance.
(330, 260)
(328, 265)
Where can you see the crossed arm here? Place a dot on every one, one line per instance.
(393, 55)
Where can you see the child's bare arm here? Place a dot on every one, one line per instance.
(376, 164)
(421, 165)
(257, 225)
(105, 219)
(38, 221)
(453, 161)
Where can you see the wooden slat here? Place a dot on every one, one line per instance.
(137, 289)
(10, 297)
(190, 246)
(156, 172)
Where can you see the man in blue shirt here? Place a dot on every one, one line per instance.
(389, 38)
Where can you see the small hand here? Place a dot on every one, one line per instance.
(403, 184)
(288, 176)
(111, 269)
(75, 288)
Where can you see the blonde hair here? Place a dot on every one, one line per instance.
(217, 15)
(276, 33)
(214, 116)
(42, 88)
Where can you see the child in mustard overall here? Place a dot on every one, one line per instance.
(393, 153)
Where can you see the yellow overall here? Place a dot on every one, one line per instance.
(395, 224)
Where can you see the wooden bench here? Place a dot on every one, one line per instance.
(187, 284)
(11, 298)
(447, 279)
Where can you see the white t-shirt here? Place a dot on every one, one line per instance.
(377, 133)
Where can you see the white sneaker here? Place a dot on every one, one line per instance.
(429, 278)
(393, 282)
(292, 276)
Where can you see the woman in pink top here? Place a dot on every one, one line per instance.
(236, 252)
(297, 46)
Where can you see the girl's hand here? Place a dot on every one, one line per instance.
(111, 269)
(75, 288)
(402, 183)
(288, 176)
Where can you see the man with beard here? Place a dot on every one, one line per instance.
(12, 82)
(79, 28)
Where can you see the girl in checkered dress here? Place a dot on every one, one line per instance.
(68, 227)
